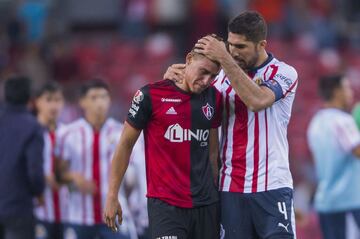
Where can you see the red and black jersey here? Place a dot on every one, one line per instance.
(176, 128)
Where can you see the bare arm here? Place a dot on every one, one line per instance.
(255, 97)
(214, 152)
(119, 165)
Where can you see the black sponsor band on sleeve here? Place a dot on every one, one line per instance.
(275, 87)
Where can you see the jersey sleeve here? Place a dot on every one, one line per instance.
(348, 134)
(218, 110)
(140, 109)
(282, 81)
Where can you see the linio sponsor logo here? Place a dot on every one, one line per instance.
(176, 134)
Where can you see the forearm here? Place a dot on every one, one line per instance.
(249, 92)
(119, 165)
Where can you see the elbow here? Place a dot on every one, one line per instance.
(256, 107)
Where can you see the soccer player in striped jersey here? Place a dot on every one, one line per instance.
(49, 102)
(86, 150)
(334, 141)
(258, 91)
(180, 124)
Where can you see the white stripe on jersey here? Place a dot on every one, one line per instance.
(266, 157)
(47, 211)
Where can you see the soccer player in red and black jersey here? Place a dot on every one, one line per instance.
(180, 122)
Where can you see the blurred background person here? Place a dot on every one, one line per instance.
(334, 141)
(21, 162)
(87, 148)
(49, 101)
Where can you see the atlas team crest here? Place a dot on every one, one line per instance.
(208, 111)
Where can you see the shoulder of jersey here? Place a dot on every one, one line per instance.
(284, 67)
(114, 123)
(160, 84)
(73, 126)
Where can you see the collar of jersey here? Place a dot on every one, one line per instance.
(179, 89)
(267, 61)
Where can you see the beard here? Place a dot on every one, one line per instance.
(251, 63)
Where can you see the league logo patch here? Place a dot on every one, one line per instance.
(138, 97)
(259, 81)
(208, 111)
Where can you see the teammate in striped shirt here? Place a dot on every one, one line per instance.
(87, 148)
(49, 102)
(258, 91)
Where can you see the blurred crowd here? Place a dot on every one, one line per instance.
(129, 43)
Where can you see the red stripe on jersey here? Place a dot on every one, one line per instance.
(168, 179)
(256, 153)
(55, 193)
(291, 87)
(222, 81)
(83, 142)
(274, 71)
(267, 150)
(225, 131)
(240, 141)
(96, 177)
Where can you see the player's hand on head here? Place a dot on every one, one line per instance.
(175, 73)
(111, 211)
(212, 47)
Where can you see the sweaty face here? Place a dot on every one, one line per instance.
(244, 52)
(50, 104)
(96, 102)
(199, 73)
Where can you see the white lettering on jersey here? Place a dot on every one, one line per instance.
(176, 134)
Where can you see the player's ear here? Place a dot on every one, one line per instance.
(189, 58)
(262, 44)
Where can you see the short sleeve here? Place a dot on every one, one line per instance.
(348, 134)
(282, 81)
(140, 109)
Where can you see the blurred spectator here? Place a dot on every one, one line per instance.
(334, 141)
(134, 22)
(21, 162)
(34, 14)
(50, 217)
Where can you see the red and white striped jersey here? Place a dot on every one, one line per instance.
(89, 152)
(55, 208)
(254, 147)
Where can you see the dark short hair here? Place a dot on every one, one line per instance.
(48, 87)
(328, 84)
(249, 24)
(93, 84)
(18, 90)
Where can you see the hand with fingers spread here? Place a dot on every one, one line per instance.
(112, 209)
(212, 47)
(175, 73)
